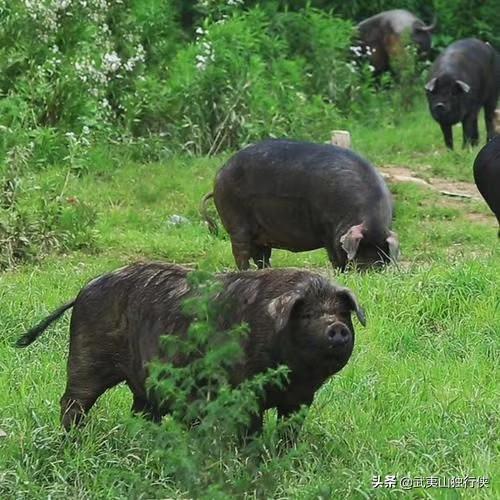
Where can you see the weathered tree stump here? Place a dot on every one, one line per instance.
(341, 138)
(497, 121)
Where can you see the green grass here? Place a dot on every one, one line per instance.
(420, 396)
(415, 140)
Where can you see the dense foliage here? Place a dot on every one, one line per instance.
(199, 76)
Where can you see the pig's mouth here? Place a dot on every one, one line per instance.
(339, 354)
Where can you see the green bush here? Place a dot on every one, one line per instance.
(200, 442)
(198, 76)
(75, 66)
(323, 43)
(33, 223)
(118, 70)
(256, 75)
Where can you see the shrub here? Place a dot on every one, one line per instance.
(253, 76)
(71, 66)
(33, 223)
(200, 441)
(118, 70)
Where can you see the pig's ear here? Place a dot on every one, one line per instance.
(354, 304)
(464, 87)
(280, 309)
(350, 240)
(393, 242)
(431, 85)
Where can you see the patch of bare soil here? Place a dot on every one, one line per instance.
(488, 219)
(454, 192)
(458, 189)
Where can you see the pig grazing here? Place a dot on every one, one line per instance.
(487, 175)
(301, 196)
(382, 34)
(464, 78)
(296, 318)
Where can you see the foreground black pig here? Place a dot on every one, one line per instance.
(382, 34)
(464, 78)
(301, 196)
(487, 175)
(296, 318)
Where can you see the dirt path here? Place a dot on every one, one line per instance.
(404, 174)
(454, 193)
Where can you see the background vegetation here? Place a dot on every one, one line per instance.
(114, 117)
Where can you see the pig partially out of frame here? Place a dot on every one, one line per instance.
(295, 318)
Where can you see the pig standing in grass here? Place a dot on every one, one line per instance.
(464, 79)
(296, 318)
(384, 32)
(302, 196)
(487, 175)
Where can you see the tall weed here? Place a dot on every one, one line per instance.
(200, 442)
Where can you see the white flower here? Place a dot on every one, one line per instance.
(201, 61)
(111, 62)
(140, 56)
(62, 4)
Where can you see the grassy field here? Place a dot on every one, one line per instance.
(420, 396)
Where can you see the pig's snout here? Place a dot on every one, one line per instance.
(338, 335)
(441, 109)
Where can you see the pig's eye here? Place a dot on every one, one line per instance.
(306, 315)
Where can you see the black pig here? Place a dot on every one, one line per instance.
(487, 175)
(382, 34)
(301, 196)
(296, 318)
(464, 78)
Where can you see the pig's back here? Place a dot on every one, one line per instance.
(307, 182)
(487, 174)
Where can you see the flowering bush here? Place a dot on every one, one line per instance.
(256, 73)
(72, 71)
(75, 64)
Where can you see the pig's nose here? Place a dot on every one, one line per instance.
(338, 334)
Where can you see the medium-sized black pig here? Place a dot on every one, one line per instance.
(384, 34)
(302, 196)
(463, 79)
(487, 175)
(295, 317)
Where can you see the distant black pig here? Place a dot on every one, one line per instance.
(296, 318)
(487, 175)
(464, 78)
(301, 196)
(383, 34)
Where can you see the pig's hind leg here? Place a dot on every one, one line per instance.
(489, 118)
(241, 244)
(470, 130)
(141, 406)
(261, 255)
(86, 382)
